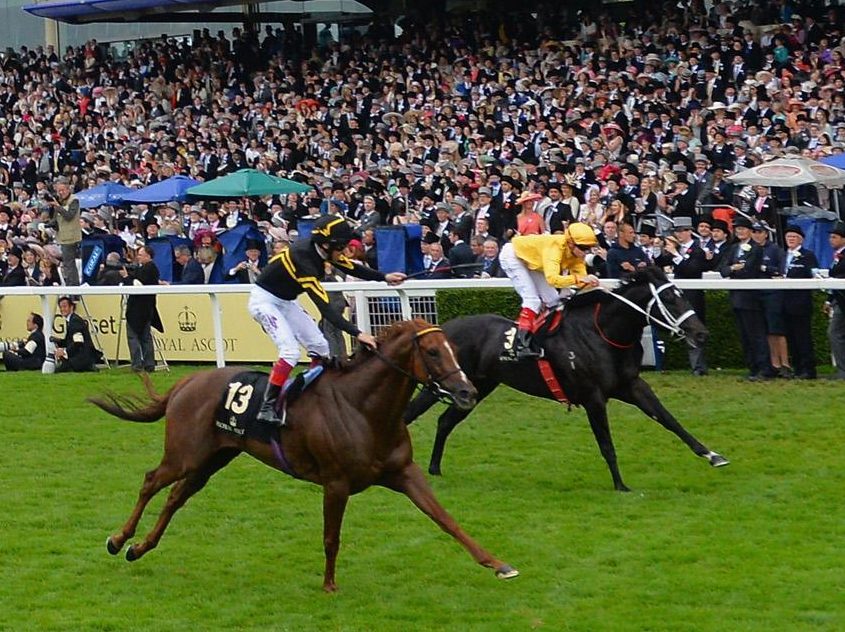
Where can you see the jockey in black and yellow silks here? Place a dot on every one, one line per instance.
(273, 303)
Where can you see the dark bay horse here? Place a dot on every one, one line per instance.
(345, 433)
(595, 355)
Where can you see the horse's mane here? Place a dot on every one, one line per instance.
(363, 354)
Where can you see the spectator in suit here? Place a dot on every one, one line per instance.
(74, 351)
(141, 311)
(488, 263)
(460, 254)
(192, 273)
(247, 270)
(771, 267)
(835, 306)
(718, 245)
(764, 208)
(799, 263)
(743, 261)
(687, 258)
(439, 268)
(15, 274)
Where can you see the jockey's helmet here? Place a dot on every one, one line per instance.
(332, 232)
(582, 234)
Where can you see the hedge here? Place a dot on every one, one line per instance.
(723, 348)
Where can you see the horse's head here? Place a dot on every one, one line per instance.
(664, 304)
(436, 365)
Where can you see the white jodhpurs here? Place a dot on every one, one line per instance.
(287, 324)
(531, 285)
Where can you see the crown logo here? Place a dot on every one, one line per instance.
(187, 320)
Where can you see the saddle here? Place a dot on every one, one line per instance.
(241, 400)
(545, 325)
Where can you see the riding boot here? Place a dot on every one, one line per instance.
(267, 414)
(524, 349)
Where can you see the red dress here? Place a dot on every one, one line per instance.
(529, 224)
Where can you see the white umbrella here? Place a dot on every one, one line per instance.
(790, 173)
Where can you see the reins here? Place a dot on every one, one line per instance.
(668, 321)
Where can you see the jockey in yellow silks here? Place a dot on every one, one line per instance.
(542, 265)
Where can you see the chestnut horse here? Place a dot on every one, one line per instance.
(345, 433)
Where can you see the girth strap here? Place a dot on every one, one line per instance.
(551, 381)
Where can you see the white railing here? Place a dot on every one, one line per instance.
(364, 290)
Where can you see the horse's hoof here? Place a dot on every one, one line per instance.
(330, 588)
(435, 471)
(506, 572)
(131, 555)
(717, 460)
(622, 488)
(111, 547)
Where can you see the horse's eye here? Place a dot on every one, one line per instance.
(433, 352)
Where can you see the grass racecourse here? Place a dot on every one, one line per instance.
(758, 545)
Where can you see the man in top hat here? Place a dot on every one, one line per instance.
(799, 263)
(683, 199)
(684, 254)
(743, 261)
(248, 270)
(835, 306)
(490, 211)
(718, 245)
(15, 274)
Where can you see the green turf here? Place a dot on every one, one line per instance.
(754, 546)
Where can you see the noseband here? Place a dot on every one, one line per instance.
(433, 383)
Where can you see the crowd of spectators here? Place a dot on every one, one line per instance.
(477, 128)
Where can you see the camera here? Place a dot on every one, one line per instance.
(11, 345)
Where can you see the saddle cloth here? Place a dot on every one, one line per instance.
(241, 400)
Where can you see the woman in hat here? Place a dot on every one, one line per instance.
(528, 220)
(542, 265)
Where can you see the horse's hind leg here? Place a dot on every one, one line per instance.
(447, 422)
(597, 415)
(193, 482)
(154, 481)
(640, 394)
(411, 482)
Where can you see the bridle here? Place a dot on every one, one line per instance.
(667, 320)
(433, 383)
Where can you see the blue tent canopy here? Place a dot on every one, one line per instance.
(234, 245)
(171, 190)
(82, 11)
(102, 194)
(837, 160)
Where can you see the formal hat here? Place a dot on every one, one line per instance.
(485, 191)
(254, 244)
(16, 251)
(838, 229)
(742, 222)
(431, 238)
(721, 225)
(682, 223)
(528, 196)
(705, 219)
(647, 229)
(792, 228)
(760, 226)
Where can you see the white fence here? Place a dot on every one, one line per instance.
(377, 305)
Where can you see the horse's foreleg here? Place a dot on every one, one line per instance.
(447, 422)
(597, 415)
(640, 395)
(421, 403)
(411, 482)
(154, 481)
(335, 497)
(179, 495)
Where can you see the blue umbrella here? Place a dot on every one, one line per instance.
(837, 160)
(171, 190)
(108, 193)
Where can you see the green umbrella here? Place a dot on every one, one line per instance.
(247, 183)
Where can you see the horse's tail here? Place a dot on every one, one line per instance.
(132, 408)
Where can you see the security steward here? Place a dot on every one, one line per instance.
(74, 351)
(272, 302)
(799, 263)
(540, 266)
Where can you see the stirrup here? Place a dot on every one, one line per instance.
(267, 414)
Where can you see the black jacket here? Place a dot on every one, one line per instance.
(299, 269)
(141, 309)
(752, 256)
(81, 353)
(460, 255)
(441, 270)
(801, 267)
(14, 276)
(837, 271)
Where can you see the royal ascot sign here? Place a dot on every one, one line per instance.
(188, 326)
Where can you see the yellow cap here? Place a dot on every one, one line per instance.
(582, 234)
